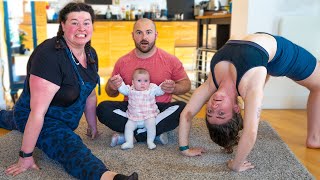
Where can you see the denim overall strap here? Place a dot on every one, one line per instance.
(96, 68)
(57, 139)
(69, 115)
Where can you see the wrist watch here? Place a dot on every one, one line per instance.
(24, 155)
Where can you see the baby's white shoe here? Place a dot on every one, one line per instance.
(127, 145)
(151, 145)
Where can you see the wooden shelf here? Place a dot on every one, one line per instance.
(214, 16)
(222, 22)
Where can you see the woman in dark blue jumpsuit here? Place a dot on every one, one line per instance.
(59, 88)
(241, 69)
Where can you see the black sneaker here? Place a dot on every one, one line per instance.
(133, 176)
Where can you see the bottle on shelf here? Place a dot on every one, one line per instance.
(123, 13)
(139, 14)
(133, 13)
(108, 13)
(128, 12)
(230, 6)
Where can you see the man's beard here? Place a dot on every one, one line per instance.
(150, 46)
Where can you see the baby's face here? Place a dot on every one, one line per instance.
(141, 82)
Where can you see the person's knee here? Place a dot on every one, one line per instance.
(102, 110)
(99, 108)
(182, 104)
(102, 107)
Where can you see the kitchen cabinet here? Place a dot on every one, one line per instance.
(166, 36)
(185, 44)
(120, 39)
(187, 56)
(113, 39)
(101, 42)
(185, 34)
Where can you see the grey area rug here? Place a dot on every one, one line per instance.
(271, 157)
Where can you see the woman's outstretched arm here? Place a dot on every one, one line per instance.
(197, 100)
(253, 97)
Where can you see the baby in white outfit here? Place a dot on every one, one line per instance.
(142, 108)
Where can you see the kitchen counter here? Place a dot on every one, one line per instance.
(102, 20)
(214, 16)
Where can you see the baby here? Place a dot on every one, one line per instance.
(142, 108)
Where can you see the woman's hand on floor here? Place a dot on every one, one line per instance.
(193, 152)
(244, 166)
(93, 133)
(22, 165)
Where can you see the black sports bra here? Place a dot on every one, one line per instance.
(244, 55)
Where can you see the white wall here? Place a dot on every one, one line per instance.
(250, 16)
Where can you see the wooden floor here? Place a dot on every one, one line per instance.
(291, 125)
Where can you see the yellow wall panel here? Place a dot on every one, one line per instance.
(186, 34)
(113, 39)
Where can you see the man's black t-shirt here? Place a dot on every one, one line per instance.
(53, 64)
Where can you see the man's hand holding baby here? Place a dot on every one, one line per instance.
(115, 82)
(168, 86)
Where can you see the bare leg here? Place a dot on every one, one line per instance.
(150, 124)
(313, 135)
(115, 176)
(108, 175)
(128, 134)
(313, 113)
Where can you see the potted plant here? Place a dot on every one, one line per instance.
(22, 38)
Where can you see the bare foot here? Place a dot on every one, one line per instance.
(313, 143)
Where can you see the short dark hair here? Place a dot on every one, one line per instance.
(227, 134)
(73, 7)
